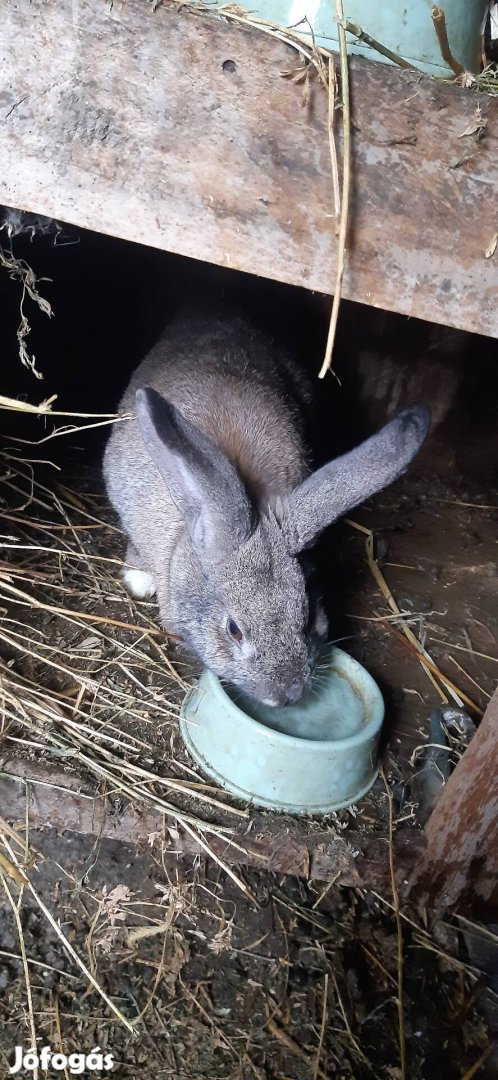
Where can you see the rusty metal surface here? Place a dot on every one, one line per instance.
(460, 864)
(129, 123)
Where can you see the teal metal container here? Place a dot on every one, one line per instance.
(311, 758)
(404, 27)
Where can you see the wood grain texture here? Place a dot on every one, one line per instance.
(460, 863)
(264, 841)
(126, 122)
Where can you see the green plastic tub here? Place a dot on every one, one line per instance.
(405, 28)
(311, 758)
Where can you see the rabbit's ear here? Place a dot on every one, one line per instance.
(349, 480)
(202, 482)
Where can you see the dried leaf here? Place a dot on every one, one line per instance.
(175, 959)
(139, 933)
(466, 79)
(477, 126)
(90, 642)
(222, 941)
(11, 870)
(111, 903)
(119, 894)
(296, 75)
(175, 895)
(108, 939)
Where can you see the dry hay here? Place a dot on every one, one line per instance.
(87, 676)
(300, 36)
(88, 679)
(212, 988)
(86, 673)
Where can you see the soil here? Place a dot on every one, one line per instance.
(303, 986)
(436, 550)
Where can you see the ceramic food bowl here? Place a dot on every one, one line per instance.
(314, 757)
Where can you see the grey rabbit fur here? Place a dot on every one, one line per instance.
(212, 484)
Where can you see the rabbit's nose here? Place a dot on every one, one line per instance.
(295, 692)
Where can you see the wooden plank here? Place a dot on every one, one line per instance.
(266, 841)
(460, 864)
(128, 123)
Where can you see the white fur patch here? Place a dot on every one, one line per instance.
(321, 622)
(139, 582)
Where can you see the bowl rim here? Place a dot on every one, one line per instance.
(369, 731)
(268, 802)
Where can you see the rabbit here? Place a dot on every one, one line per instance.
(212, 483)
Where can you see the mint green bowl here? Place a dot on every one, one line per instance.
(311, 758)
(405, 28)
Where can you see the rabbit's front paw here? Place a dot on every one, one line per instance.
(139, 583)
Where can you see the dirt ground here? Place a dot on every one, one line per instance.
(304, 983)
(302, 986)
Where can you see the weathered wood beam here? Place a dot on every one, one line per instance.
(263, 841)
(459, 867)
(131, 123)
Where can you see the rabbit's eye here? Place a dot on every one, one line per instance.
(234, 631)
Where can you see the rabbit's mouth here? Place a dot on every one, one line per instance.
(291, 695)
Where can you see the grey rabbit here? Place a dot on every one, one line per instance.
(213, 487)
